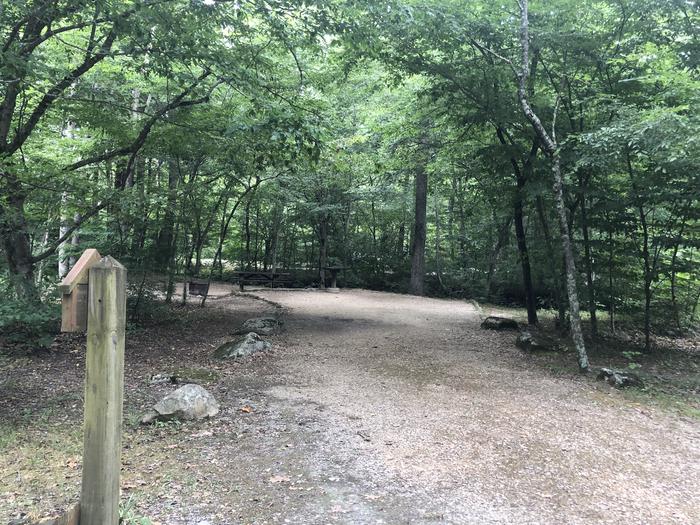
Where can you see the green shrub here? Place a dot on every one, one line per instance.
(27, 324)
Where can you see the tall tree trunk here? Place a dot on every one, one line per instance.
(648, 266)
(451, 219)
(438, 241)
(556, 274)
(171, 269)
(141, 211)
(16, 241)
(674, 272)
(277, 216)
(552, 150)
(501, 239)
(373, 229)
(611, 265)
(419, 234)
(257, 236)
(322, 249)
(75, 240)
(401, 243)
(462, 225)
(523, 255)
(648, 278)
(589, 263)
(164, 242)
(42, 264)
(246, 233)
(199, 245)
(62, 230)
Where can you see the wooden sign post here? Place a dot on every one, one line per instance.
(104, 393)
(104, 385)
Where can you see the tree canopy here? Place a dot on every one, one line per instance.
(503, 152)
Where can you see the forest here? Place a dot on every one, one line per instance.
(536, 162)
(194, 138)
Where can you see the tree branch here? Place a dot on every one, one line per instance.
(54, 245)
(140, 139)
(53, 93)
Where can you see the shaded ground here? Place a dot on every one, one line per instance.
(371, 408)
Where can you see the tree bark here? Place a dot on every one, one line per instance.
(648, 278)
(438, 242)
(419, 234)
(17, 243)
(674, 272)
(518, 213)
(589, 264)
(524, 257)
(611, 280)
(164, 242)
(501, 239)
(556, 274)
(552, 150)
(62, 230)
(246, 233)
(322, 249)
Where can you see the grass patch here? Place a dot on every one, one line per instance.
(129, 515)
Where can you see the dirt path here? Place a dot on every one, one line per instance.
(393, 409)
(371, 408)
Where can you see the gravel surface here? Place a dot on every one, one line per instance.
(416, 415)
(370, 408)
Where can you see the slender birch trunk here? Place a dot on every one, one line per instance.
(551, 148)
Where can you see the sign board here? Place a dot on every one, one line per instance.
(74, 287)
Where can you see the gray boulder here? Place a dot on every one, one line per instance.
(261, 325)
(499, 323)
(186, 403)
(533, 341)
(620, 378)
(249, 344)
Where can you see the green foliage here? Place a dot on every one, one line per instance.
(632, 357)
(128, 513)
(144, 303)
(212, 137)
(27, 324)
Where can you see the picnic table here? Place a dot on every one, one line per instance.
(260, 277)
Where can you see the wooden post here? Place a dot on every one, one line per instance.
(104, 392)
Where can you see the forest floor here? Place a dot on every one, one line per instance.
(370, 408)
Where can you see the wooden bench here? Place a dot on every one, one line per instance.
(260, 277)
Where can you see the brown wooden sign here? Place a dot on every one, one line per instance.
(74, 287)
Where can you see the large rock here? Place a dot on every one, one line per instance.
(534, 341)
(186, 403)
(261, 325)
(620, 378)
(499, 323)
(249, 344)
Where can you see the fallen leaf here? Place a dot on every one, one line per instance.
(247, 409)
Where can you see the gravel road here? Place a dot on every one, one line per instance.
(370, 408)
(383, 408)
